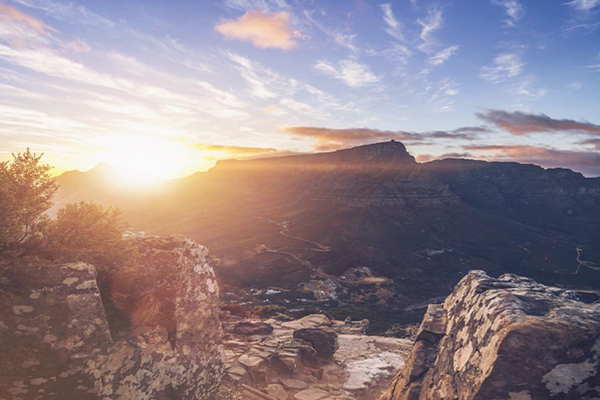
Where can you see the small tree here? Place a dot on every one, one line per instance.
(87, 232)
(26, 190)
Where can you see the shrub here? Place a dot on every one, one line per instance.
(26, 190)
(267, 311)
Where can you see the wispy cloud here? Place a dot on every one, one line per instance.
(262, 29)
(432, 22)
(352, 73)
(584, 5)
(22, 30)
(506, 66)
(443, 56)
(392, 26)
(335, 138)
(520, 123)
(514, 10)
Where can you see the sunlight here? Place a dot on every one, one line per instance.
(146, 161)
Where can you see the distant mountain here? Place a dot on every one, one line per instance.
(370, 225)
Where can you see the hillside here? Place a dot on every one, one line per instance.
(370, 225)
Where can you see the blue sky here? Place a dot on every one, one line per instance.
(190, 82)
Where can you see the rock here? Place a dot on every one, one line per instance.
(277, 391)
(291, 383)
(505, 338)
(252, 328)
(66, 343)
(310, 321)
(311, 394)
(324, 340)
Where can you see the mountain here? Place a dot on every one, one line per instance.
(370, 225)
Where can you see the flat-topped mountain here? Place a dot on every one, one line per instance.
(370, 225)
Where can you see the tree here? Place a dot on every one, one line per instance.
(26, 190)
(87, 232)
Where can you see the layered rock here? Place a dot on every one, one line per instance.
(505, 338)
(285, 365)
(59, 344)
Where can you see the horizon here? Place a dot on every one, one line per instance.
(151, 180)
(189, 84)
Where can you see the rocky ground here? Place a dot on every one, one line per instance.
(312, 358)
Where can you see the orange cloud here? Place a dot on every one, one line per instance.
(262, 29)
(21, 29)
(519, 123)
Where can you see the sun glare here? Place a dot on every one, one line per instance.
(146, 162)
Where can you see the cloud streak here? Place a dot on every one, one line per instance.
(352, 73)
(520, 123)
(392, 26)
(506, 66)
(514, 10)
(443, 56)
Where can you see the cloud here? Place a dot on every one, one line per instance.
(514, 10)
(22, 30)
(506, 66)
(262, 29)
(332, 138)
(350, 72)
(430, 24)
(443, 55)
(593, 142)
(584, 5)
(392, 27)
(519, 123)
(585, 162)
(77, 46)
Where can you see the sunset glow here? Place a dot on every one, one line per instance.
(194, 82)
(151, 160)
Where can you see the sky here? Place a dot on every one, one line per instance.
(173, 86)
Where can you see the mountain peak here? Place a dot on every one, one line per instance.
(388, 152)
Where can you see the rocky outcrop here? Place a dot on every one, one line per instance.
(58, 343)
(282, 365)
(505, 338)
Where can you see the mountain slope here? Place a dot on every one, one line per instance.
(370, 224)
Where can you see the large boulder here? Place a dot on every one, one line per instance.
(505, 338)
(323, 340)
(161, 338)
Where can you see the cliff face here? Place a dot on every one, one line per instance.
(505, 338)
(58, 342)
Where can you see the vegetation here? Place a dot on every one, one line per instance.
(80, 232)
(267, 311)
(26, 191)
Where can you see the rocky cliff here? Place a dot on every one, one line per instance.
(156, 335)
(505, 338)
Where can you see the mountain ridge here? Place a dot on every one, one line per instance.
(305, 222)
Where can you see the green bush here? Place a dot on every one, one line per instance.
(267, 311)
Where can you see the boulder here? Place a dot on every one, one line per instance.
(251, 328)
(277, 391)
(324, 340)
(156, 334)
(505, 338)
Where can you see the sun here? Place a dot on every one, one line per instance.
(146, 161)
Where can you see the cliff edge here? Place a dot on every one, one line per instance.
(505, 338)
(156, 335)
